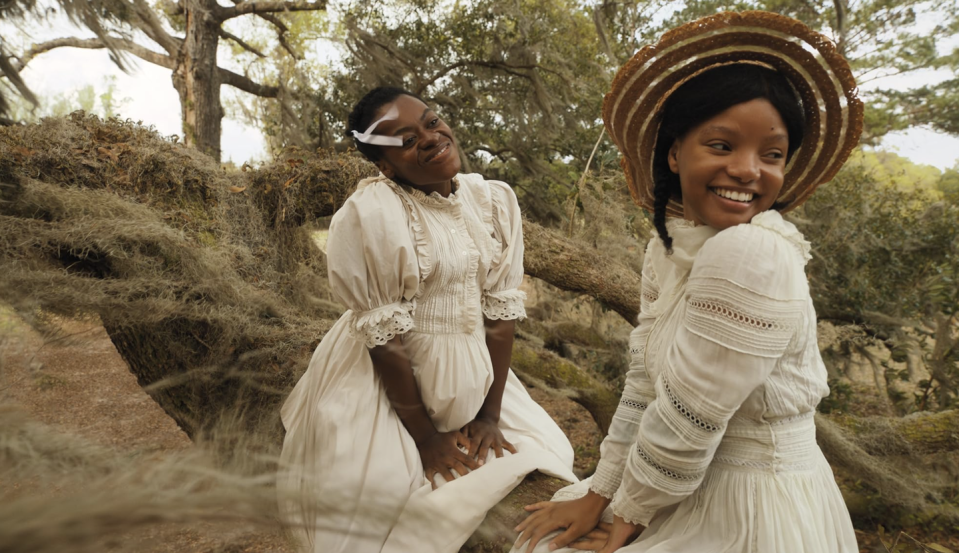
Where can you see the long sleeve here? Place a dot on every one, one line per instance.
(743, 307)
(637, 392)
(502, 299)
(372, 264)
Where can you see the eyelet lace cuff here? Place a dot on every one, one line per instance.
(378, 326)
(504, 306)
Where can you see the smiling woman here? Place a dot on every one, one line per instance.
(724, 124)
(409, 425)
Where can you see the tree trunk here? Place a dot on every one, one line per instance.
(196, 79)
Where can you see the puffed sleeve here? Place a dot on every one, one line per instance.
(372, 264)
(638, 391)
(744, 302)
(502, 299)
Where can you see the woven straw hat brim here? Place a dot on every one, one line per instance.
(809, 60)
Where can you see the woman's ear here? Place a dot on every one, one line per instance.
(673, 157)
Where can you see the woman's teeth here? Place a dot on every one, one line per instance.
(439, 153)
(735, 196)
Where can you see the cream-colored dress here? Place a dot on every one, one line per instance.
(429, 268)
(713, 445)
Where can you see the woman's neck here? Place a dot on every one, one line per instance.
(443, 188)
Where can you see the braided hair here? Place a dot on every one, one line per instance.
(364, 112)
(705, 96)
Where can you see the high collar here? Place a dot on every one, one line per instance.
(688, 238)
(433, 199)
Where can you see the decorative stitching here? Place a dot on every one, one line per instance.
(794, 418)
(764, 465)
(381, 332)
(728, 311)
(499, 309)
(648, 296)
(686, 412)
(670, 473)
(633, 404)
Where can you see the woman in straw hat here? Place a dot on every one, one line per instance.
(724, 124)
(408, 425)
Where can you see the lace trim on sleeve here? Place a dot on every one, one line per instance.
(703, 423)
(504, 306)
(740, 320)
(379, 326)
(695, 476)
(630, 410)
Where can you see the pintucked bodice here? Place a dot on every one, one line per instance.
(404, 261)
(459, 252)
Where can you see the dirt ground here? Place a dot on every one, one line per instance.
(80, 385)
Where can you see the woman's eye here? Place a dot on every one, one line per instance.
(718, 146)
(775, 155)
(409, 140)
(434, 122)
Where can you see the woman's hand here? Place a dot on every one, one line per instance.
(595, 539)
(579, 517)
(621, 534)
(441, 454)
(484, 433)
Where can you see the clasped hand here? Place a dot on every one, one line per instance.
(443, 452)
(580, 521)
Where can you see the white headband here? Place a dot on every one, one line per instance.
(378, 139)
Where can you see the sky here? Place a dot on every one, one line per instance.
(151, 99)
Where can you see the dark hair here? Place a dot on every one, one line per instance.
(363, 112)
(707, 95)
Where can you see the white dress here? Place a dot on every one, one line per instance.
(429, 268)
(713, 445)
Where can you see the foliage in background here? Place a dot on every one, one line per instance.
(885, 236)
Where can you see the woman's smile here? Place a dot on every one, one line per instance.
(440, 153)
(731, 167)
(732, 195)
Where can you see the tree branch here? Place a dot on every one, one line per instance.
(247, 85)
(281, 30)
(12, 73)
(226, 77)
(243, 44)
(578, 268)
(254, 7)
(153, 27)
(145, 54)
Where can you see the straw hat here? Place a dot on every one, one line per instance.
(809, 60)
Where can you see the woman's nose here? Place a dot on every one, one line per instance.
(428, 139)
(744, 167)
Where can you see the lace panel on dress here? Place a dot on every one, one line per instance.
(686, 412)
(675, 475)
(740, 321)
(630, 410)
